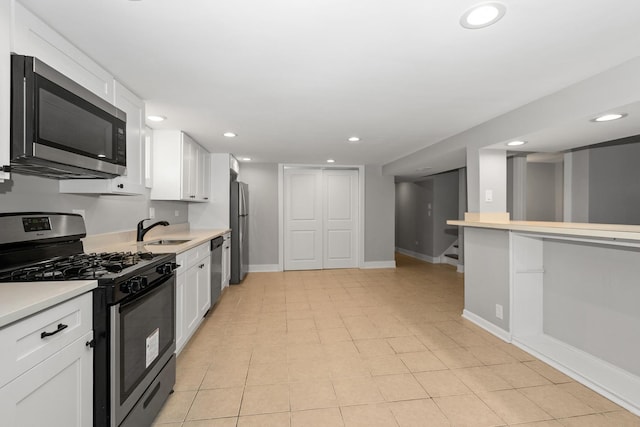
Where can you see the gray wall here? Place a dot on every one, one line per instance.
(541, 192)
(590, 309)
(414, 229)
(103, 214)
(486, 254)
(263, 223)
(576, 197)
(445, 207)
(614, 184)
(263, 211)
(422, 210)
(379, 215)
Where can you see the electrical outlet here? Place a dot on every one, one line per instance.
(176, 213)
(78, 211)
(499, 313)
(152, 213)
(417, 243)
(488, 195)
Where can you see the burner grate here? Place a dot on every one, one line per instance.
(77, 267)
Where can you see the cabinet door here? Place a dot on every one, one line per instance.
(134, 180)
(204, 285)
(31, 36)
(5, 86)
(181, 279)
(204, 175)
(191, 307)
(57, 392)
(189, 164)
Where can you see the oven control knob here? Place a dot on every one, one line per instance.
(125, 288)
(166, 268)
(137, 283)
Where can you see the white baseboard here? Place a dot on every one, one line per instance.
(487, 326)
(417, 255)
(379, 264)
(614, 383)
(446, 260)
(264, 268)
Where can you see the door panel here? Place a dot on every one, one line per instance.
(303, 219)
(340, 220)
(339, 245)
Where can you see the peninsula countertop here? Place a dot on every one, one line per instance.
(602, 231)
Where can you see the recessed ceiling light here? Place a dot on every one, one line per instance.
(331, 161)
(229, 134)
(245, 159)
(354, 139)
(516, 143)
(609, 117)
(156, 118)
(482, 15)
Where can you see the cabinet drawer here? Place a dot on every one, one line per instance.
(196, 254)
(35, 338)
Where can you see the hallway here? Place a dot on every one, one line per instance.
(366, 348)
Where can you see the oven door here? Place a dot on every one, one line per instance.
(142, 342)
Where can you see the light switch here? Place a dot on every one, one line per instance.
(488, 195)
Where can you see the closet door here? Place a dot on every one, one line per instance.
(303, 219)
(340, 218)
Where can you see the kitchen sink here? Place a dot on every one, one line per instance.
(167, 242)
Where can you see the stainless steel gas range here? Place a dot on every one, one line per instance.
(133, 309)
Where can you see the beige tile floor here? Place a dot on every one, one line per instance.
(366, 348)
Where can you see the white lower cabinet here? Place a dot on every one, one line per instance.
(57, 392)
(193, 292)
(204, 285)
(55, 385)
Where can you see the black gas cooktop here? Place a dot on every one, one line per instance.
(82, 266)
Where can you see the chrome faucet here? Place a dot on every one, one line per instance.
(141, 231)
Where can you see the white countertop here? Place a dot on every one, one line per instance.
(21, 299)
(194, 237)
(606, 231)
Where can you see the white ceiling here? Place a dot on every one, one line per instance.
(295, 78)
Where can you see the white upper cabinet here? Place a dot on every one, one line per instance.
(181, 168)
(5, 87)
(31, 36)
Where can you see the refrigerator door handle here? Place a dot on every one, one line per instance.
(242, 210)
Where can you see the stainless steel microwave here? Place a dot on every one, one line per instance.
(60, 129)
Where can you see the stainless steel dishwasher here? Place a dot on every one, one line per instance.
(216, 269)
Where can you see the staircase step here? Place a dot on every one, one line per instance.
(454, 256)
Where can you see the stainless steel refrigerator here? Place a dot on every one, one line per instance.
(239, 221)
